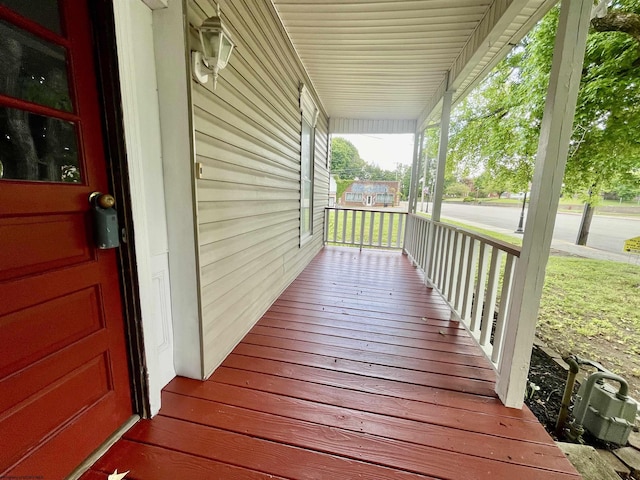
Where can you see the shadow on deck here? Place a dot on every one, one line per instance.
(354, 372)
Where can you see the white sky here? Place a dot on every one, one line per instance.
(385, 151)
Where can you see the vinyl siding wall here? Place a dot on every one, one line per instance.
(247, 138)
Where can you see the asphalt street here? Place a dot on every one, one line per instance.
(607, 233)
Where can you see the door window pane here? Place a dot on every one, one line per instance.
(44, 12)
(34, 147)
(33, 69)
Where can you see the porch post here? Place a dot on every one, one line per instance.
(557, 124)
(442, 155)
(417, 141)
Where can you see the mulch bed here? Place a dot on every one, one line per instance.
(551, 378)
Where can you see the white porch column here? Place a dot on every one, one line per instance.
(442, 155)
(557, 124)
(417, 141)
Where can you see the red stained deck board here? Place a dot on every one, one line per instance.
(442, 314)
(438, 342)
(358, 296)
(364, 306)
(369, 374)
(360, 446)
(367, 324)
(442, 319)
(420, 364)
(346, 376)
(147, 461)
(425, 341)
(471, 443)
(441, 380)
(481, 422)
(463, 351)
(260, 455)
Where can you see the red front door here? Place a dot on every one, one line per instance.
(64, 383)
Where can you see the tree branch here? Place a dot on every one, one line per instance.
(628, 23)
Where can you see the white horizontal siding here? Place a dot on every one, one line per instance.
(247, 139)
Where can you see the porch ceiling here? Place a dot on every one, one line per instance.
(393, 60)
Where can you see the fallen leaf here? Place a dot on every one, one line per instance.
(117, 476)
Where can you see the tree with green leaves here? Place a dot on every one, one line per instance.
(497, 127)
(345, 159)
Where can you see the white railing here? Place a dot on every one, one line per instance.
(364, 228)
(471, 271)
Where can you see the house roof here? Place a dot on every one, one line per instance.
(382, 66)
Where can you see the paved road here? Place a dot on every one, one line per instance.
(607, 233)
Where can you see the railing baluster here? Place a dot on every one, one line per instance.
(433, 237)
(361, 215)
(408, 237)
(436, 254)
(462, 270)
(472, 260)
(490, 297)
(422, 247)
(353, 227)
(399, 234)
(431, 248)
(390, 230)
(444, 243)
(381, 214)
(455, 263)
(371, 221)
(505, 294)
(335, 225)
(476, 309)
(417, 227)
(344, 226)
(447, 259)
(325, 234)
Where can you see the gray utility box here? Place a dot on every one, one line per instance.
(607, 417)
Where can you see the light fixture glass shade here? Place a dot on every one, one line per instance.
(217, 47)
(216, 43)
(226, 47)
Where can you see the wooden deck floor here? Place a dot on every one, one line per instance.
(354, 372)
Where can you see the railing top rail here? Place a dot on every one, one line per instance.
(494, 242)
(351, 209)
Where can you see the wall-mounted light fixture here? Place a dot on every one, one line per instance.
(216, 47)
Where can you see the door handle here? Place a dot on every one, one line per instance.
(106, 232)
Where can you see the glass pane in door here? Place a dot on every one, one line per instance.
(35, 147)
(44, 12)
(33, 69)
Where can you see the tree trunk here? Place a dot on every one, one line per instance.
(585, 224)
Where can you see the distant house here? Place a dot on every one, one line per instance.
(372, 194)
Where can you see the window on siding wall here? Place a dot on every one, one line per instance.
(306, 179)
(309, 117)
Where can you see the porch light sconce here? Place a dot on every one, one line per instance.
(216, 47)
